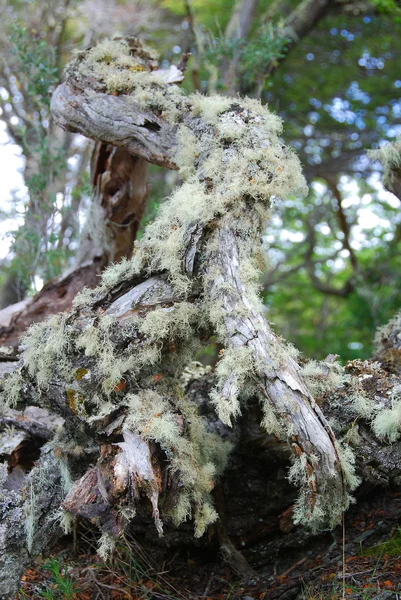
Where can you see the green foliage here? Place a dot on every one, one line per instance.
(391, 547)
(36, 64)
(389, 7)
(36, 249)
(266, 46)
(61, 586)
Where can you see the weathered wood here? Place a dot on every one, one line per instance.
(113, 119)
(110, 462)
(278, 374)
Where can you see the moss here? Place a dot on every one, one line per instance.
(76, 401)
(80, 374)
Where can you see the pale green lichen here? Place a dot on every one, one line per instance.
(170, 323)
(233, 369)
(387, 422)
(330, 502)
(12, 385)
(46, 350)
(106, 546)
(120, 69)
(233, 162)
(363, 405)
(195, 370)
(390, 157)
(30, 518)
(347, 461)
(210, 107)
(323, 376)
(66, 520)
(65, 475)
(195, 457)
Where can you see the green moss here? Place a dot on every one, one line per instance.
(76, 401)
(80, 374)
(391, 547)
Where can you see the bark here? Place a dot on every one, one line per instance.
(143, 133)
(116, 470)
(279, 377)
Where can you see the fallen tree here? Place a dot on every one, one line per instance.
(142, 424)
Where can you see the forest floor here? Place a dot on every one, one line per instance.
(368, 546)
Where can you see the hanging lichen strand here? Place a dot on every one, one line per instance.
(203, 251)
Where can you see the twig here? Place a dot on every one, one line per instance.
(297, 564)
(207, 588)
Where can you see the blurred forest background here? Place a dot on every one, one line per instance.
(333, 260)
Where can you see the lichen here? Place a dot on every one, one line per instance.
(46, 350)
(233, 163)
(12, 385)
(388, 344)
(390, 157)
(106, 546)
(323, 376)
(329, 503)
(387, 422)
(66, 520)
(233, 369)
(30, 518)
(194, 457)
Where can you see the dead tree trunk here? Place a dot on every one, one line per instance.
(116, 368)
